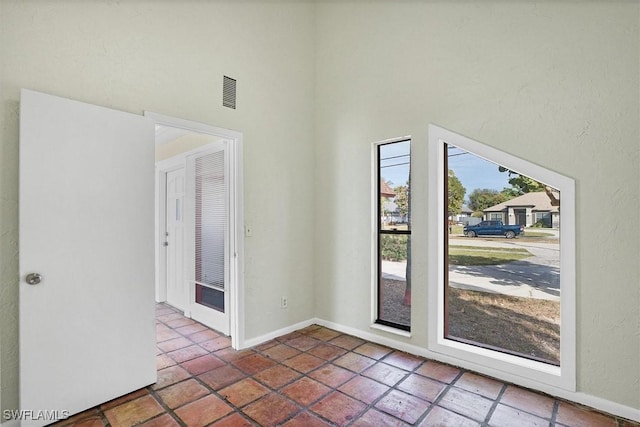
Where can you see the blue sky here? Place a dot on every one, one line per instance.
(394, 162)
(472, 171)
(475, 172)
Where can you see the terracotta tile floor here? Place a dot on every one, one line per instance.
(319, 377)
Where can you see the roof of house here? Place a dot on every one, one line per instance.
(538, 202)
(385, 190)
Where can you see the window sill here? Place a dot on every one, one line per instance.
(390, 330)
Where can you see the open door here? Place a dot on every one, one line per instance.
(87, 325)
(209, 195)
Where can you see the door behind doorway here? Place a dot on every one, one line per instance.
(177, 291)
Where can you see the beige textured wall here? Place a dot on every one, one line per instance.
(555, 83)
(169, 57)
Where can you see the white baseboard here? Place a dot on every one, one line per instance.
(252, 342)
(595, 402)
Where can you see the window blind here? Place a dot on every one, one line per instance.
(210, 221)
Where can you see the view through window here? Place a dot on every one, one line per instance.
(502, 258)
(394, 234)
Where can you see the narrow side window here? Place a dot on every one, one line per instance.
(394, 234)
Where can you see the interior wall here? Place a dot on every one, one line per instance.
(555, 83)
(183, 144)
(170, 58)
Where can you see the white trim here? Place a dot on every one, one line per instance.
(598, 403)
(535, 374)
(391, 330)
(160, 224)
(161, 119)
(252, 342)
(235, 148)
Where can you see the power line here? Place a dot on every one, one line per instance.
(396, 164)
(394, 157)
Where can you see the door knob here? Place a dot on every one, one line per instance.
(34, 278)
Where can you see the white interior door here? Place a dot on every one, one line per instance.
(209, 212)
(177, 290)
(87, 330)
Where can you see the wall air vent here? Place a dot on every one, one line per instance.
(229, 92)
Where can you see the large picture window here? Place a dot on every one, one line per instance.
(502, 286)
(393, 233)
(502, 276)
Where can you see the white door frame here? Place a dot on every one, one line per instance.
(236, 268)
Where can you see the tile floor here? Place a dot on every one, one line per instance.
(319, 377)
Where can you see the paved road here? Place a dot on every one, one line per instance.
(535, 277)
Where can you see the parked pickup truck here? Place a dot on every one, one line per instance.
(493, 228)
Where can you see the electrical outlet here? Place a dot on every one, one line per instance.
(283, 302)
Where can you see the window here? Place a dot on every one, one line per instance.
(393, 234)
(464, 322)
(210, 229)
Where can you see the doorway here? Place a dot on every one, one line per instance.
(198, 222)
(521, 216)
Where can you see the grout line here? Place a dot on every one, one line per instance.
(441, 395)
(494, 405)
(299, 408)
(554, 413)
(169, 411)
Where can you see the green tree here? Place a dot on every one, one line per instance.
(456, 193)
(402, 198)
(522, 183)
(482, 198)
(510, 192)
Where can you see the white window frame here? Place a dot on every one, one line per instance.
(502, 365)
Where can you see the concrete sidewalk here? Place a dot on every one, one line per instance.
(494, 279)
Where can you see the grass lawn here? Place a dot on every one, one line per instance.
(478, 255)
(529, 233)
(526, 326)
